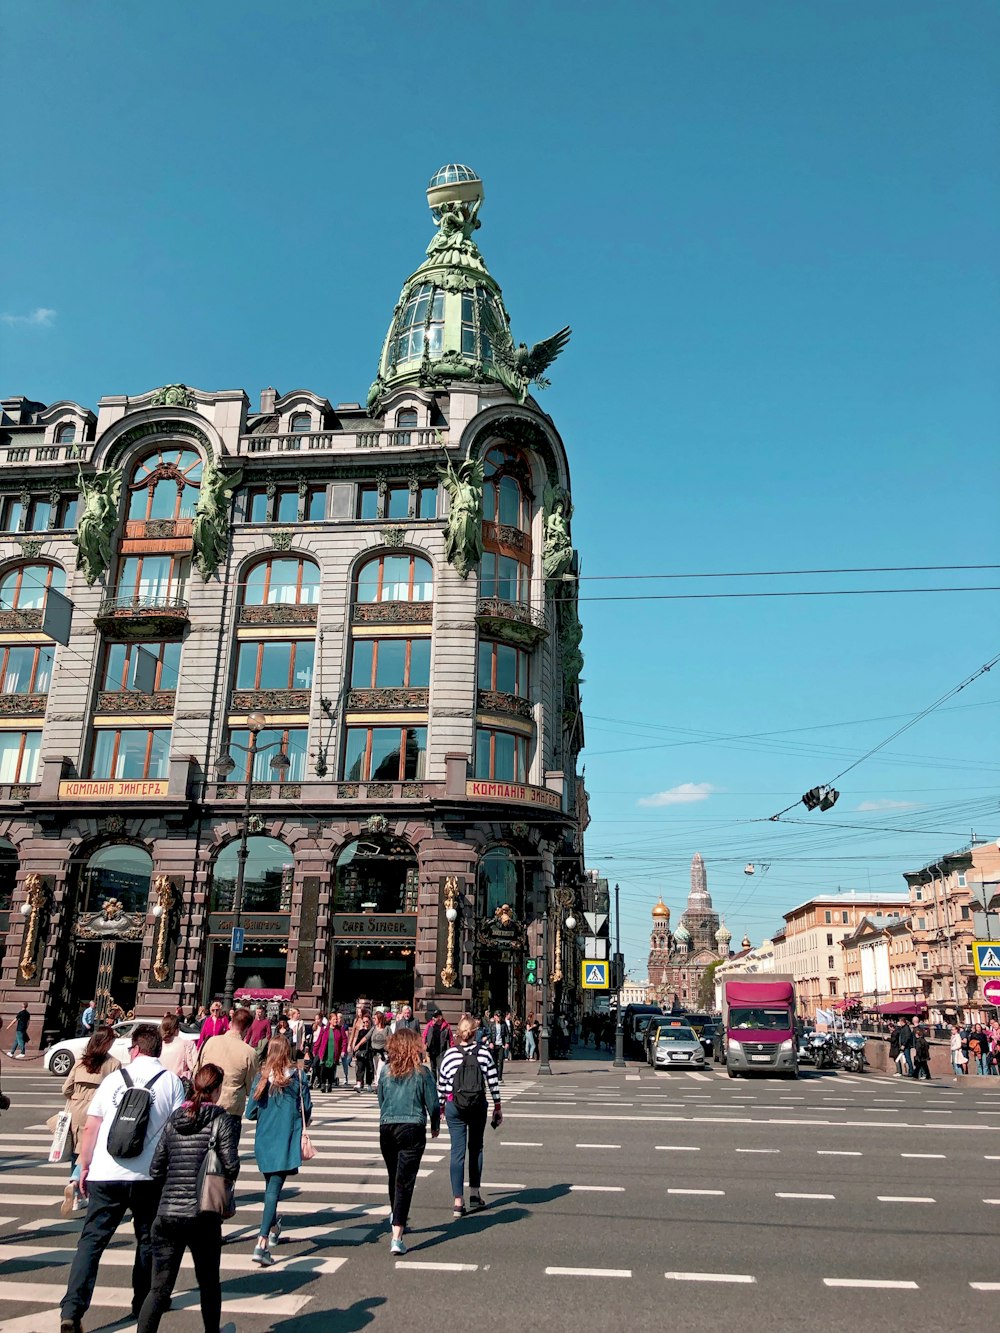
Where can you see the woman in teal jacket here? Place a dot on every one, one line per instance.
(407, 1100)
(278, 1102)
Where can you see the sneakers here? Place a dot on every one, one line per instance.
(19, 1055)
(397, 1247)
(476, 1201)
(275, 1234)
(68, 1206)
(262, 1256)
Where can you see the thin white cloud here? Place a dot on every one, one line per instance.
(886, 804)
(40, 318)
(684, 794)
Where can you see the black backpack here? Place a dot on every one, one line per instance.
(127, 1135)
(468, 1087)
(434, 1040)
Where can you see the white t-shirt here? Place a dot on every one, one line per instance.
(167, 1093)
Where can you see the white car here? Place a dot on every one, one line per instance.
(60, 1058)
(677, 1048)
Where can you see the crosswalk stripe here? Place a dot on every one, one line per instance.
(120, 1298)
(125, 1258)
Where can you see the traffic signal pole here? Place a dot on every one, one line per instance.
(619, 1061)
(543, 1035)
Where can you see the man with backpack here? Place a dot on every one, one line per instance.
(465, 1075)
(124, 1122)
(437, 1039)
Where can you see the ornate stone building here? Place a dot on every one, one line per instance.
(677, 960)
(360, 620)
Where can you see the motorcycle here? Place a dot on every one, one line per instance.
(822, 1050)
(852, 1052)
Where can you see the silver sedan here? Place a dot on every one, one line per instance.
(677, 1048)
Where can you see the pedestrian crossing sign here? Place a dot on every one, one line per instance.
(986, 956)
(594, 974)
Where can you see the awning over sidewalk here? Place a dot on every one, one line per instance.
(264, 993)
(899, 1008)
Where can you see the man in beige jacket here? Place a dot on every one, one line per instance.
(236, 1059)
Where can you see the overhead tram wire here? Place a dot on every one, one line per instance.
(789, 573)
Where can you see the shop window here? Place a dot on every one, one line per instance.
(153, 580)
(384, 754)
(377, 873)
(26, 670)
(25, 587)
(504, 578)
(146, 667)
(503, 668)
(267, 880)
(66, 433)
(121, 872)
(274, 664)
(498, 882)
(165, 485)
(132, 755)
(383, 663)
(290, 741)
(395, 578)
(286, 580)
(19, 751)
(501, 756)
(301, 423)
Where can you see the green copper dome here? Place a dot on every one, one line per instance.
(450, 322)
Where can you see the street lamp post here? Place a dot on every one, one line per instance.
(543, 1035)
(619, 1060)
(224, 766)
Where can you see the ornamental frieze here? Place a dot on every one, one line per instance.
(22, 705)
(402, 613)
(271, 701)
(379, 791)
(497, 701)
(360, 701)
(160, 527)
(135, 701)
(348, 791)
(277, 614)
(21, 620)
(502, 534)
(111, 922)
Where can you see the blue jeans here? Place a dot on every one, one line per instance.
(958, 1068)
(20, 1041)
(274, 1182)
(466, 1137)
(529, 1046)
(983, 1061)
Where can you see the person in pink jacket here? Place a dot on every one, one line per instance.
(214, 1025)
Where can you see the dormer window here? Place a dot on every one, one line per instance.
(66, 433)
(406, 418)
(301, 423)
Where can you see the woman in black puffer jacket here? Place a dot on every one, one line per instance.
(179, 1223)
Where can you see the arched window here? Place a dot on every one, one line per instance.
(165, 484)
(267, 883)
(66, 433)
(8, 873)
(406, 418)
(122, 872)
(498, 882)
(286, 580)
(24, 588)
(395, 578)
(301, 423)
(377, 873)
(419, 325)
(504, 490)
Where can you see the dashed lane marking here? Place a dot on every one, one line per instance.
(513, 1143)
(759, 1150)
(588, 1272)
(436, 1266)
(788, 1195)
(838, 1152)
(675, 1147)
(905, 1198)
(993, 1201)
(598, 1189)
(709, 1277)
(869, 1283)
(924, 1155)
(681, 1191)
(985, 1286)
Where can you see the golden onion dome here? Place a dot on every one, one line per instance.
(661, 910)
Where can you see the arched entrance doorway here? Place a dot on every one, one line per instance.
(498, 961)
(112, 894)
(374, 922)
(266, 916)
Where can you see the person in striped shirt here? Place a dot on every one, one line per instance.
(465, 1075)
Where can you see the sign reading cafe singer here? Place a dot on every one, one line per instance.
(74, 789)
(375, 925)
(513, 791)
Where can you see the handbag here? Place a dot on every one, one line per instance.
(60, 1133)
(305, 1144)
(216, 1192)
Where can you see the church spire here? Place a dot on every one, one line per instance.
(699, 900)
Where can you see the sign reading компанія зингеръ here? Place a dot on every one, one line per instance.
(513, 791)
(76, 789)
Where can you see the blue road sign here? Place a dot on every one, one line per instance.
(594, 974)
(236, 944)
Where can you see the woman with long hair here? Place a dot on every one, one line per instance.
(178, 1053)
(360, 1046)
(279, 1103)
(466, 1073)
(379, 1039)
(82, 1081)
(197, 1125)
(407, 1099)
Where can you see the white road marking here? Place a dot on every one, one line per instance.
(125, 1258)
(120, 1298)
(680, 1191)
(436, 1266)
(598, 1189)
(837, 1152)
(674, 1147)
(598, 1145)
(786, 1195)
(985, 1286)
(502, 1185)
(926, 1155)
(709, 1277)
(588, 1272)
(904, 1198)
(869, 1282)
(758, 1150)
(994, 1201)
(512, 1143)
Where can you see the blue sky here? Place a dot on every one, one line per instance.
(773, 228)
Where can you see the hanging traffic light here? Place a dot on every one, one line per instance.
(531, 971)
(824, 798)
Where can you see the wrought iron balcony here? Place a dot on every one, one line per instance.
(513, 622)
(143, 614)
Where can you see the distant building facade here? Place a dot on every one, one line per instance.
(678, 959)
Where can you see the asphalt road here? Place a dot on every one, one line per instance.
(616, 1201)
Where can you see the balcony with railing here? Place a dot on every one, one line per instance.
(512, 622)
(136, 701)
(138, 615)
(341, 441)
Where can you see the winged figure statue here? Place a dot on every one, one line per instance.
(525, 364)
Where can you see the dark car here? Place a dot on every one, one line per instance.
(719, 1044)
(707, 1036)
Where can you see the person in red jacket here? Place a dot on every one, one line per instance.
(260, 1028)
(214, 1025)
